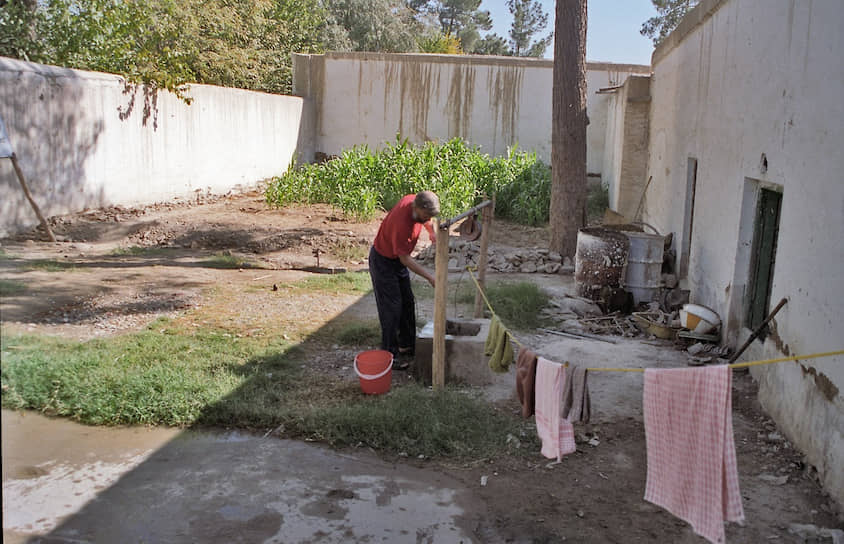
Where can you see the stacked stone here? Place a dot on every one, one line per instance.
(527, 260)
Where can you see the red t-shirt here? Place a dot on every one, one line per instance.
(398, 232)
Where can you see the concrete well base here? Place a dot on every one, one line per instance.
(465, 361)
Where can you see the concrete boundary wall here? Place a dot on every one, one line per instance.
(85, 139)
(746, 91)
(492, 102)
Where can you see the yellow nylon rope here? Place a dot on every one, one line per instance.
(609, 369)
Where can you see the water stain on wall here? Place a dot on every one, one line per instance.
(822, 382)
(775, 337)
(505, 84)
(417, 84)
(460, 98)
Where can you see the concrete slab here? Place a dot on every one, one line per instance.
(64, 482)
(465, 361)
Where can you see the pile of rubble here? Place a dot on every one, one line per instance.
(462, 253)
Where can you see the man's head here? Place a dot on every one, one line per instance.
(425, 206)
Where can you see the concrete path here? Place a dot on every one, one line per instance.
(64, 482)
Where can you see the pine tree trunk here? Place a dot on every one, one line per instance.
(568, 132)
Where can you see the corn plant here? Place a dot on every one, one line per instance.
(361, 181)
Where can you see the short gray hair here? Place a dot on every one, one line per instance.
(428, 201)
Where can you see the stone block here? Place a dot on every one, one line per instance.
(465, 362)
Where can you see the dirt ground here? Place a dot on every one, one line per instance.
(96, 282)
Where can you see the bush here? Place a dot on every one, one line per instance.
(361, 181)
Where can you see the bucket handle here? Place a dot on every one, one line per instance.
(373, 376)
(642, 223)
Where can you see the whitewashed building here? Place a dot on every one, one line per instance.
(745, 156)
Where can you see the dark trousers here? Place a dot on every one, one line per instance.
(395, 302)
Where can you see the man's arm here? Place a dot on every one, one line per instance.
(431, 232)
(411, 263)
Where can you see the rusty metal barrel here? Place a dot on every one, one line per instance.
(599, 260)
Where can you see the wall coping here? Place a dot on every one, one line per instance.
(478, 60)
(693, 19)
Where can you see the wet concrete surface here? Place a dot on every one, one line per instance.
(64, 482)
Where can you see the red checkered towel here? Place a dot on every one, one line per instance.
(692, 469)
(555, 432)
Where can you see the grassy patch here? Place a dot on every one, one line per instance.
(358, 333)
(171, 376)
(224, 261)
(49, 265)
(517, 304)
(347, 282)
(418, 421)
(138, 251)
(159, 376)
(10, 288)
(350, 252)
(597, 201)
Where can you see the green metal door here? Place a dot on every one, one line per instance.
(763, 256)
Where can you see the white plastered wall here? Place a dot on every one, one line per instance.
(737, 80)
(491, 102)
(83, 140)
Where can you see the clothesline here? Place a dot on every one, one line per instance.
(610, 369)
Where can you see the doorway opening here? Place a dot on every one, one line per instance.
(763, 255)
(688, 217)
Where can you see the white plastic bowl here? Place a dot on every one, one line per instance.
(699, 319)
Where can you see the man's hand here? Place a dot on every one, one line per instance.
(417, 268)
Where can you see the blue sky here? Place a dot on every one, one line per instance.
(612, 28)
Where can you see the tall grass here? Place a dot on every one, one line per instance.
(362, 181)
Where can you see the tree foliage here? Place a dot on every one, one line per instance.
(492, 44)
(669, 15)
(372, 25)
(439, 43)
(528, 20)
(461, 18)
(167, 43)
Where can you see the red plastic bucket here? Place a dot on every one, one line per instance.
(375, 370)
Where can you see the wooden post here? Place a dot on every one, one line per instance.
(22, 181)
(483, 257)
(440, 300)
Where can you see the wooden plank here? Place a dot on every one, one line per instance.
(440, 302)
(22, 180)
(483, 256)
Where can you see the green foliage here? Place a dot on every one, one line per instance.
(167, 43)
(439, 43)
(10, 288)
(517, 304)
(492, 44)
(158, 376)
(597, 201)
(359, 333)
(669, 15)
(168, 376)
(373, 25)
(417, 421)
(139, 251)
(225, 261)
(347, 282)
(360, 182)
(528, 20)
(460, 18)
(49, 265)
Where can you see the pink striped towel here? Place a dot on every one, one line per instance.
(555, 432)
(692, 469)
